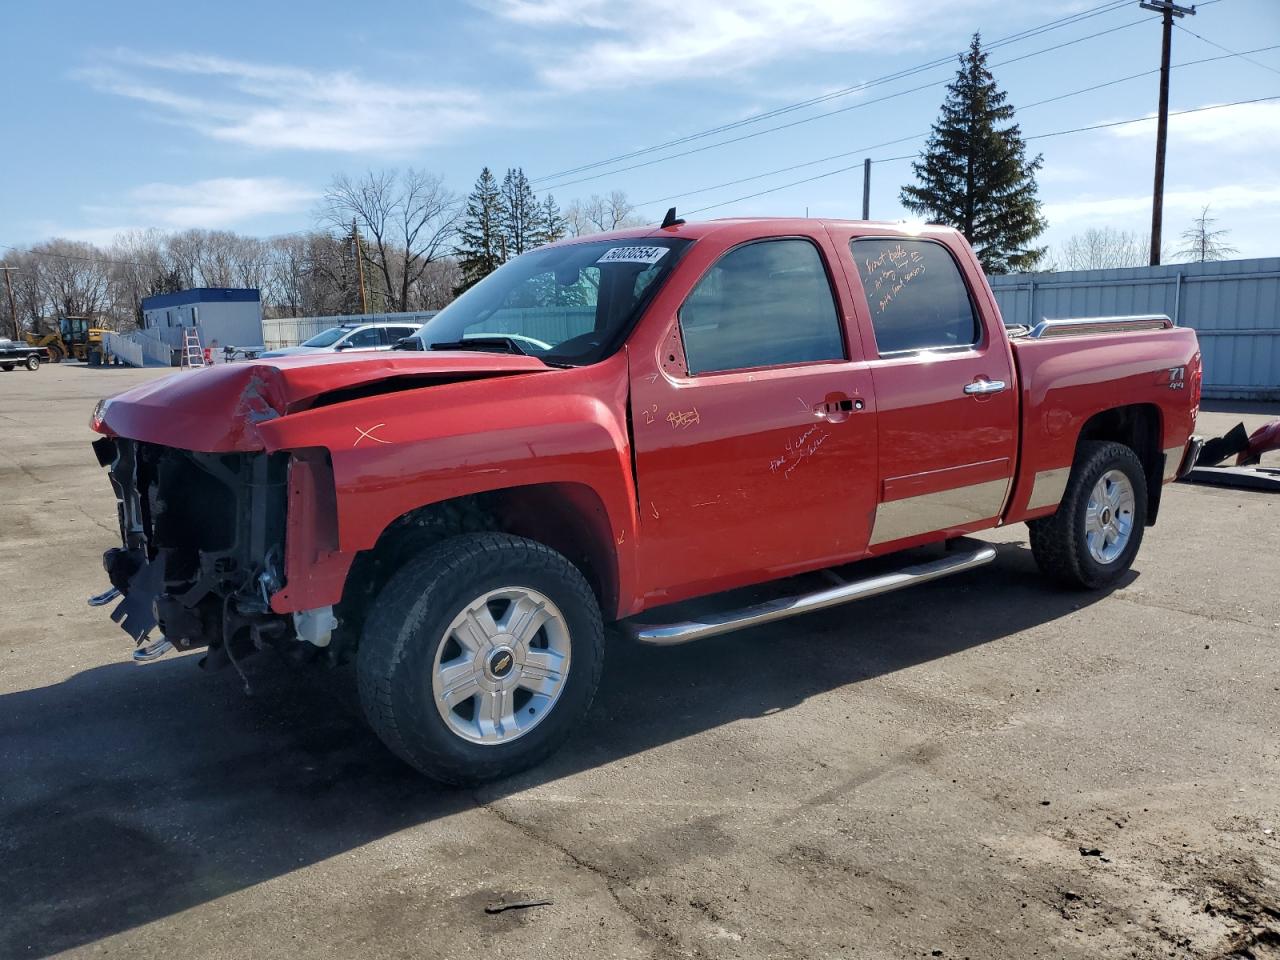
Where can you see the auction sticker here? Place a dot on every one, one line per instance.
(649, 255)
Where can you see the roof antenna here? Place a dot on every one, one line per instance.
(671, 220)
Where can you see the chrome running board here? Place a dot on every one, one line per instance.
(964, 554)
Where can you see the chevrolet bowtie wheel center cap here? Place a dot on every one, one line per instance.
(500, 663)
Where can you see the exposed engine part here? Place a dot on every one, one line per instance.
(315, 626)
(202, 540)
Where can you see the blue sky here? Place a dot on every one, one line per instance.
(235, 115)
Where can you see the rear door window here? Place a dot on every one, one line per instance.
(915, 294)
(367, 337)
(764, 304)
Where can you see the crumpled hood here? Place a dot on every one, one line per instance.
(218, 409)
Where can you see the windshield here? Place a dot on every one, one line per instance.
(326, 338)
(571, 304)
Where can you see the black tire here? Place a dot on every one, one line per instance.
(1058, 542)
(6, 367)
(408, 624)
(33, 362)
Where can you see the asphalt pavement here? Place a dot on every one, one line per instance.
(985, 767)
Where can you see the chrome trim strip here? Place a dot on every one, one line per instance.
(965, 555)
(1048, 488)
(938, 511)
(1073, 327)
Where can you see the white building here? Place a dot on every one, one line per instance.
(225, 316)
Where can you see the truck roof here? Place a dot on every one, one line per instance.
(746, 228)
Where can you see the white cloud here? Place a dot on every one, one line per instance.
(283, 107)
(1248, 127)
(664, 40)
(209, 204)
(1113, 210)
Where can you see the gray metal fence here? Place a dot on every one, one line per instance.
(290, 331)
(1233, 305)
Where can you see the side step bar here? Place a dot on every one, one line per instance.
(965, 554)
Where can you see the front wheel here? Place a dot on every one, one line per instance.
(480, 657)
(1092, 539)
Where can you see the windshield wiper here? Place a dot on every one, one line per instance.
(495, 345)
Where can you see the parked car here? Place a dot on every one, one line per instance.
(15, 354)
(348, 336)
(609, 427)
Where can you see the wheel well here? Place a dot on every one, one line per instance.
(1138, 427)
(567, 517)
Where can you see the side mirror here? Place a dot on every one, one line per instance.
(408, 343)
(341, 346)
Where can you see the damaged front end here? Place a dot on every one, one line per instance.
(202, 547)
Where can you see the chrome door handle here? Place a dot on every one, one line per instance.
(983, 387)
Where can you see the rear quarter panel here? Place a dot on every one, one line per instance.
(1065, 381)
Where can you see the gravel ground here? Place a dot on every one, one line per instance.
(985, 767)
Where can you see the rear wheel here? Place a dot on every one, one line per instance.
(6, 367)
(33, 362)
(1092, 539)
(480, 656)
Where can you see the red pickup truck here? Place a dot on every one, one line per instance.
(609, 427)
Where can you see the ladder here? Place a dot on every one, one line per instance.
(192, 351)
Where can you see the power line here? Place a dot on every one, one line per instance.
(1172, 113)
(1038, 136)
(830, 113)
(845, 91)
(1256, 63)
(28, 252)
(916, 136)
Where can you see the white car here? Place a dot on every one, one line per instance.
(349, 336)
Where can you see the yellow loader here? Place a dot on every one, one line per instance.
(72, 338)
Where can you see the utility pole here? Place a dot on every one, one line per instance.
(866, 189)
(13, 311)
(1168, 9)
(355, 237)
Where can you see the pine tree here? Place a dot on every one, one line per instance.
(481, 239)
(552, 225)
(520, 213)
(975, 175)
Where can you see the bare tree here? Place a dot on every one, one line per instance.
(138, 268)
(434, 289)
(1101, 248)
(73, 278)
(1201, 243)
(599, 214)
(408, 221)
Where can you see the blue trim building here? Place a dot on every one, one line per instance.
(197, 295)
(224, 316)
